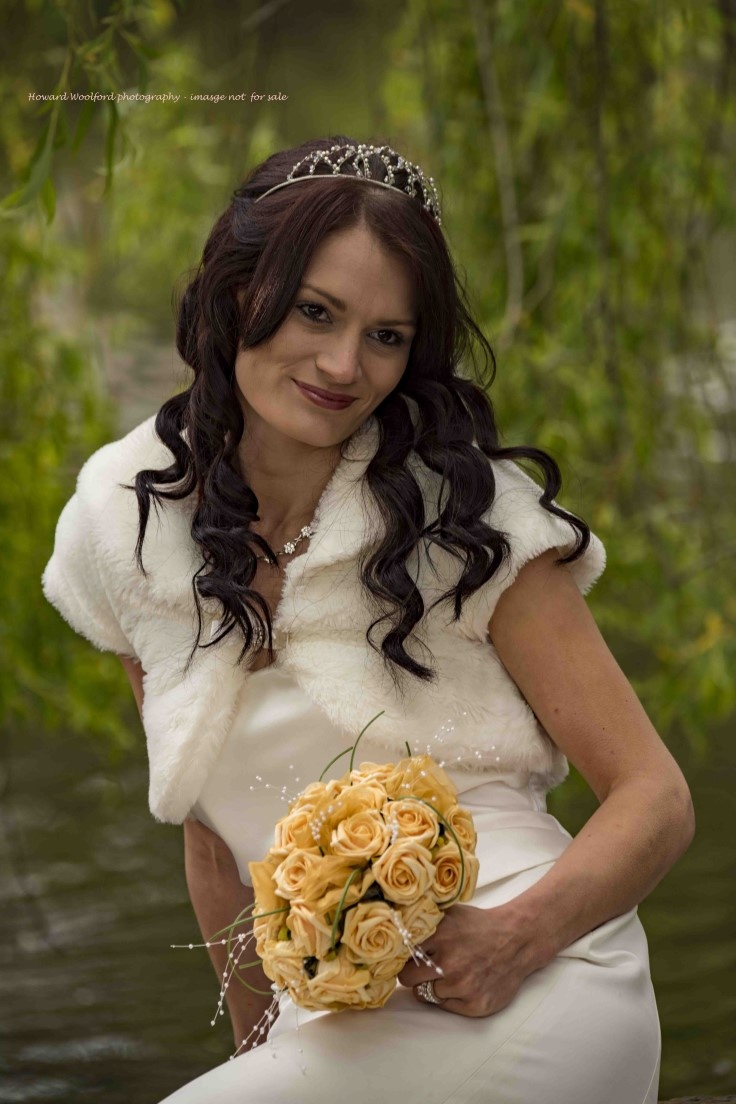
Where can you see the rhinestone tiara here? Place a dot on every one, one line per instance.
(418, 186)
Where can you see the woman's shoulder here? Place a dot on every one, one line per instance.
(105, 487)
(93, 577)
(117, 462)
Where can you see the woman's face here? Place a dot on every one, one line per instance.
(358, 347)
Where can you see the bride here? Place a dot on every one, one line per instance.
(333, 469)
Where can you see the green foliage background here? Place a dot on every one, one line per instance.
(585, 156)
(584, 150)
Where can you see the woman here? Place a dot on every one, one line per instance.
(306, 522)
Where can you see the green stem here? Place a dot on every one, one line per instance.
(339, 908)
(355, 745)
(324, 772)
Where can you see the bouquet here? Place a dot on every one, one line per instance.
(360, 872)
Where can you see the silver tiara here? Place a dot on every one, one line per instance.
(418, 186)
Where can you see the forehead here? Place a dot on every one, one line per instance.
(354, 265)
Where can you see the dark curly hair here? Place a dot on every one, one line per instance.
(262, 252)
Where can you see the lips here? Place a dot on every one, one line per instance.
(345, 400)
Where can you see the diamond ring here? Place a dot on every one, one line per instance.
(425, 989)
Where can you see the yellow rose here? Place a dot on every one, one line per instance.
(370, 933)
(360, 836)
(404, 871)
(310, 931)
(339, 981)
(314, 792)
(294, 830)
(390, 968)
(421, 776)
(421, 919)
(462, 824)
(414, 821)
(264, 887)
(374, 772)
(326, 880)
(267, 929)
(300, 995)
(283, 963)
(331, 809)
(447, 874)
(330, 899)
(292, 872)
(380, 989)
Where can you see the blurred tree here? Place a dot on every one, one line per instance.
(583, 150)
(585, 153)
(54, 410)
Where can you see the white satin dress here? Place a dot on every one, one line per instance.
(584, 1029)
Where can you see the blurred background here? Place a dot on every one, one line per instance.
(584, 150)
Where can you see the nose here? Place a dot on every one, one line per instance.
(339, 359)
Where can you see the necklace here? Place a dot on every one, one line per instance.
(290, 546)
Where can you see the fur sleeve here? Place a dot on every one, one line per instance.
(530, 530)
(73, 582)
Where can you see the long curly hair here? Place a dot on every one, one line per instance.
(259, 253)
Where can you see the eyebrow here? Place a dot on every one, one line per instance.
(341, 306)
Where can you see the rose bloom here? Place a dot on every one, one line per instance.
(370, 933)
(283, 963)
(314, 792)
(462, 824)
(404, 871)
(415, 821)
(422, 777)
(311, 933)
(448, 873)
(264, 887)
(331, 809)
(372, 772)
(267, 929)
(380, 989)
(422, 918)
(294, 830)
(330, 899)
(389, 968)
(340, 981)
(300, 995)
(325, 881)
(360, 836)
(291, 874)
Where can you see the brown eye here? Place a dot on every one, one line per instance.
(305, 307)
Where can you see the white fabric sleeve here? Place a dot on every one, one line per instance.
(73, 582)
(530, 530)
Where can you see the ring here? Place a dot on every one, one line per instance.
(425, 989)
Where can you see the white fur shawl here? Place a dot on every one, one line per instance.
(473, 716)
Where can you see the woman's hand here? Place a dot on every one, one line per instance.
(484, 958)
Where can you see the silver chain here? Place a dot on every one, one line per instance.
(290, 546)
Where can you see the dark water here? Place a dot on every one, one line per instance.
(96, 1006)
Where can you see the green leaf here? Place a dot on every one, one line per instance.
(37, 170)
(47, 196)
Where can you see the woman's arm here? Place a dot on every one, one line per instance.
(547, 639)
(218, 896)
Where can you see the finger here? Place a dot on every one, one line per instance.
(438, 992)
(417, 970)
(414, 972)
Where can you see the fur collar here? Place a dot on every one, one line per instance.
(319, 628)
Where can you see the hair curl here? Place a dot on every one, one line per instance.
(263, 252)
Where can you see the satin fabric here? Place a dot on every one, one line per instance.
(582, 1030)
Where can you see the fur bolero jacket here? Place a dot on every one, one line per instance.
(473, 717)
